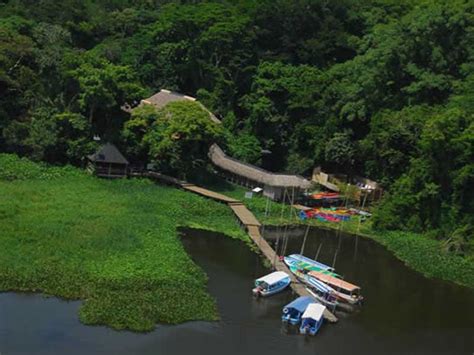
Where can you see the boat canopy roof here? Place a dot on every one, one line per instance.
(274, 277)
(314, 311)
(304, 259)
(334, 282)
(319, 285)
(300, 303)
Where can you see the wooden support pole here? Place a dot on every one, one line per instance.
(304, 240)
(317, 253)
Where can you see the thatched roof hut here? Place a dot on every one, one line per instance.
(164, 97)
(274, 184)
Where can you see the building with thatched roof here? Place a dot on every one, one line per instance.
(164, 97)
(108, 162)
(274, 185)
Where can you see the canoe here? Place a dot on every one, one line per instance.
(270, 284)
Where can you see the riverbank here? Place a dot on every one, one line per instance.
(112, 244)
(418, 251)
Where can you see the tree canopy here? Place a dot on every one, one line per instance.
(176, 138)
(379, 88)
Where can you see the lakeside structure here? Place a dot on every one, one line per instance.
(108, 162)
(164, 97)
(366, 188)
(278, 187)
(274, 185)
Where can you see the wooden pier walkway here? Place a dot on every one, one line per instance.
(251, 224)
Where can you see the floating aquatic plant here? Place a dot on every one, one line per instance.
(112, 244)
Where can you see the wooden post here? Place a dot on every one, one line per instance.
(304, 240)
(317, 253)
(334, 260)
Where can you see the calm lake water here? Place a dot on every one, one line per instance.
(404, 313)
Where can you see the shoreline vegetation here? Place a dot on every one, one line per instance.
(112, 244)
(381, 89)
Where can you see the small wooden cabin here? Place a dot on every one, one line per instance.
(108, 162)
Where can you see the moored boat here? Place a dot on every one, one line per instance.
(297, 264)
(301, 273)
(270, 284)
(293, 311)
(343, 290)
(330, 301)
(310, 262)
(312, 319)
(322, 292)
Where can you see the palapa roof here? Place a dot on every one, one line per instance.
(254, 173)
(273, 277)
(334, 282)
(108, 153)
(164, 97)
(314, 311)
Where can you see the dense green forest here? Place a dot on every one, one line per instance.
(380, 88)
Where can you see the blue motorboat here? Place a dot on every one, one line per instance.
(272, 283)
(312, 319)
(293, 311)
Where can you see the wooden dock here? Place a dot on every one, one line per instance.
(252, 226)
(267, 250)
(207, 193)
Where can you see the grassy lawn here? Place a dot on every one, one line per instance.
(418, 251)
(112, 244)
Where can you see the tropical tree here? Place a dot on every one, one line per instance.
(179, 139)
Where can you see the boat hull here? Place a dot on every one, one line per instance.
(259, 292)
(297, 264)
(291, 321)
(309, 331)
(340, 306)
